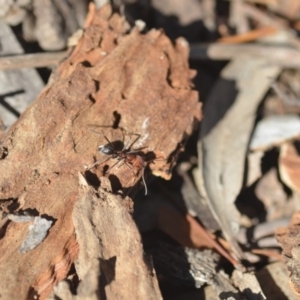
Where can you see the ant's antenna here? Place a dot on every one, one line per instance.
(108, 141)
(98, 162)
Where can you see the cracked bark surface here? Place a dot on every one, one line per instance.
(115, 78)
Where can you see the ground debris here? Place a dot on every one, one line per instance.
(122, 107)
(195, 268)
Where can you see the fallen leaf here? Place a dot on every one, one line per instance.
(289, 166)
(225, 134)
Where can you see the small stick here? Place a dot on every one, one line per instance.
(284, 56)
(287, 99)
(98, 162)
(36, 60)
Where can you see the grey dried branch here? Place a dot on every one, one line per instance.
(36, 60)
(284, 56)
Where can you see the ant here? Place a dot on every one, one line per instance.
(132, 158)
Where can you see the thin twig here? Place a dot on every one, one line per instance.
(289, 100)
(237, 18)
(285, 56)
(36, 60)
(249, 36)
(260, 16)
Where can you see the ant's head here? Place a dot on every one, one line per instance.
(107, 149)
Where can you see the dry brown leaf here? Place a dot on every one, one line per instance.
(269, 253)
(187, 231)
(289, 166)
(249, 36)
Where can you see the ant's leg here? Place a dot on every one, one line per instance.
(128, 144)
(108, 141)
(98, 162)
(114, 164)
(123, 162)
(136, 150)
(130, 167)
(135, 140)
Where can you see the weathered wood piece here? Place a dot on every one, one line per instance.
(118, 78)
(123, 272)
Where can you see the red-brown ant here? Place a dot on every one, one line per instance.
(133, 159)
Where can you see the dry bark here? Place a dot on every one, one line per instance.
(288, 238)
(114, 78)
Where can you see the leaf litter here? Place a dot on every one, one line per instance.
(209, 224)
